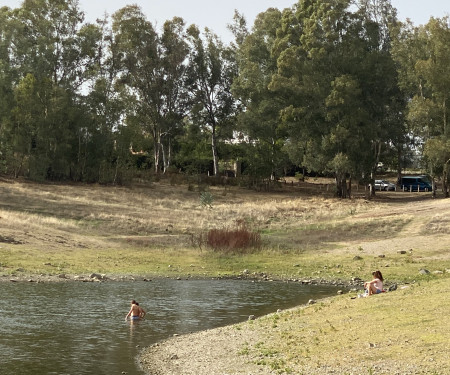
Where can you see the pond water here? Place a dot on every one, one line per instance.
(79, 328)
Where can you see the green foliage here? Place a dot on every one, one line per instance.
(206, 199)
(209, 75)
(323, 86)
(423, 55)
(337, 86)
(437, 153)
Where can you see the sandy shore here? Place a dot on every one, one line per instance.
(212, 352)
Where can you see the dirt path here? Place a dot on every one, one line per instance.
(427, 219)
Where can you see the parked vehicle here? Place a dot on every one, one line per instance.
(416, 183)
(384, 185)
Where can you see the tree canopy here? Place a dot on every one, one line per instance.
(334, 87)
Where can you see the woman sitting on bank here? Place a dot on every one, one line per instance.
(374, 286)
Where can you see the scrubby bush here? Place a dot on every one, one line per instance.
(239, 239)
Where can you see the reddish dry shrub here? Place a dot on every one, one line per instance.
(233, 239)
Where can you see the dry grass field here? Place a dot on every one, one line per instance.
(157, 229)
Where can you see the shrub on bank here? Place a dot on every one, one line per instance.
(239, 239)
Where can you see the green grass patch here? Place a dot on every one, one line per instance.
(406, 328)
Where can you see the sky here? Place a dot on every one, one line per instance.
(217, 14)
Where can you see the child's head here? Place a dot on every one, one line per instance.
(377, 275)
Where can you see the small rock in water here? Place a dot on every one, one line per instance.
(251, 317)
(96, 276)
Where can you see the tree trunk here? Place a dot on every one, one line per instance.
(399, 164)
(444, 107)
(169, 155)
(445, 186)
(375, 167)
(341, 186)
(372, 183)
(163, 155)
(349, 189)
(214, 150)
(116, 171)
(156, 155)
(344, 187)
(19, 168)
(156, 149)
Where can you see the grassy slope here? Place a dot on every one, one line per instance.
(403, 332)
(143, 230)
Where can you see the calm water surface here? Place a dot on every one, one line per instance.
(79, 328)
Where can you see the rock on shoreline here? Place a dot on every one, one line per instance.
(93, 277)
(96, 277)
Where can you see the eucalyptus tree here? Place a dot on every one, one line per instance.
(210, 73)
(137, 45)
(50, 51)
(174, 51)
(48, 43)
(101, 152)
(379, 79)
(335, 70)
(435, 72)
(260, 119)
(423, 56)
(6, 93)
(153, 69)
(312, 58)
(407, 49)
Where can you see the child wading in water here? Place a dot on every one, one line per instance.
(136, 312)
(374, 286)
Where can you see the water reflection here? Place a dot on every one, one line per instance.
(79, 328)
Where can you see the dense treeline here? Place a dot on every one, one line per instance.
(332, 86)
